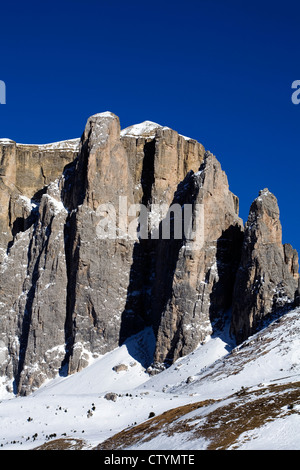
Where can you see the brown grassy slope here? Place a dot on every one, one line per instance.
(221, 425)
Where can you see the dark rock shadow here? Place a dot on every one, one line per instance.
(72, 262)
(153, 266)
(228, 255)
(72, 194)
(229, 249)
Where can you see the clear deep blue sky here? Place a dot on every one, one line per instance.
(217, 71)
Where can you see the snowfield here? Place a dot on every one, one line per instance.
(218, 397)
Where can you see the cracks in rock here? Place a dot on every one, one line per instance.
(43, 175)
(137, 311)
(72, 194)
(72, 259)
(21, 224)
(30, 296)
(147, 177)
(154, 260)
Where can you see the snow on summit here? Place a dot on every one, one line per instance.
(70, 144)
(146, 128)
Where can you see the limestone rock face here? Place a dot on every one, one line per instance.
(33, 299)
(25, 172)
(110, 279)
(267, 277)
(98, 266)
(162, 162)
(32, 261)
(159, 159)
(120, 230)
(195, 285)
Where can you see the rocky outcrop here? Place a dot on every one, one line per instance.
(164, 162)
(25, 172)
(33, 276)
(33, 298)
(98, 266)
(75, 292)
(109, 301)
(195, 277)
(120, 230)
(267, 277)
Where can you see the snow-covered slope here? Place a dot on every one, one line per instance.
(220, 396)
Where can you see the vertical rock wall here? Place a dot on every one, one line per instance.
(267, 277)
(74, 285)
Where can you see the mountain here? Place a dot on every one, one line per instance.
(137, 309)
(127, 234)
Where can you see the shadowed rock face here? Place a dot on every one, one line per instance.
(68, 294)
(267, 277)
(199, 279)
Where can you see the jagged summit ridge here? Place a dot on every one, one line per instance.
(78, 295)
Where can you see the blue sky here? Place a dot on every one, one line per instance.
(217, 71)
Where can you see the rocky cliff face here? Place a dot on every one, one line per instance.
(267, 277)
(104, 235)
(33, 275)
(195, 286)
(25, 171)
